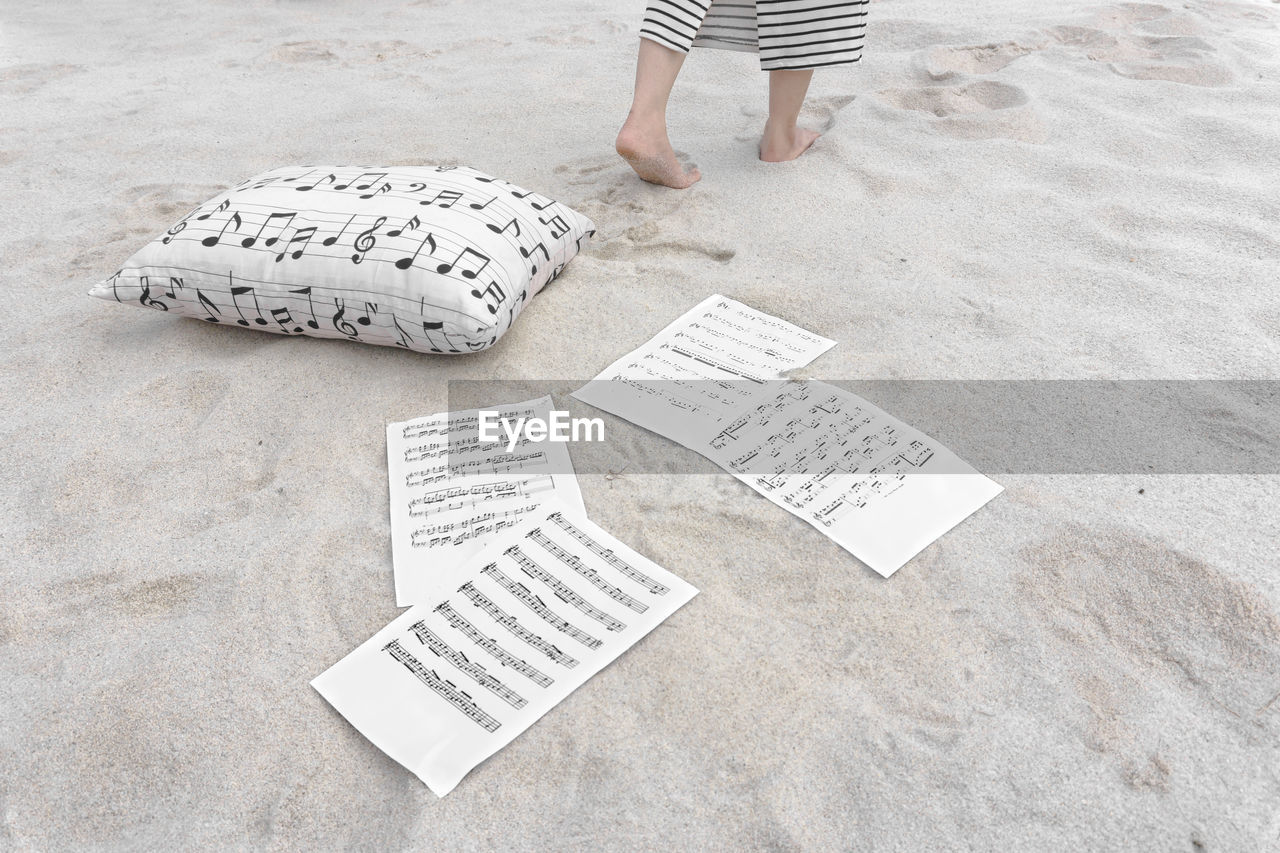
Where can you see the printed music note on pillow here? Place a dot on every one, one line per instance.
(416, 257)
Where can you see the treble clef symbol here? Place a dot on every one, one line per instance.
(366, 240)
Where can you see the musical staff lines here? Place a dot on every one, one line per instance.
(294, 234)
(822, 453)
(467, 529)
(210, 295)
(592, 576)
(607, 555)
(457, 188)
(455, 497)
(479, 599)
(447, 690)
(452, 492)
(463, 664)
(561, 591)
(490, 645)
(481, 661)
(522, 594)
(717, 364)
(702, 369)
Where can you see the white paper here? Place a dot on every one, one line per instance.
(702, 369)
(518, 627)
(449, 498)
(878, 487)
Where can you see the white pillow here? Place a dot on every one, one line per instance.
(431, 258)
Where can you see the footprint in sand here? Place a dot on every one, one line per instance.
(1125, 15)
(609, 183)
(942, 101)
(631, 215)
(941, 63)
(584, 173)
(1130, 619)
(649, 237)
(1242, 12)
(819, 112)
(1171, 52)
(825, 110)
(1177, 59)
(986, 109)
(1093, 41)
(303, 52)
(653, 236)
(1204, 74)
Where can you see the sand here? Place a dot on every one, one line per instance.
(195, 519)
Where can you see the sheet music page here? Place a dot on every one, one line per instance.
(701, 369)
(515, 629)
(451, 492)
(879, 488)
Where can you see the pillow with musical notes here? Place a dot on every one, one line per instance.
(430, 258)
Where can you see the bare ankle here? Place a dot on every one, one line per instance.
(784, 141)
(777, 135)
(646, 119)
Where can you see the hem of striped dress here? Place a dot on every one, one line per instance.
(773, 64)
(703, 41)
(665, 42)
(765, 65)
(781, 64)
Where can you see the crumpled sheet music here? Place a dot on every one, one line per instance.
(514, 630)
(450, 494)
(712, 381)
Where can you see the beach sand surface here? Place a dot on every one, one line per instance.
(195, 517)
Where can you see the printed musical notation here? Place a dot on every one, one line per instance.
(451, 493)
(714, 382)
(448, 704)
(878, 487)
(610, 558)
(700, 369)
(456, 497)
(462, 189)
(365, 218)
(802, 443)
(522, 594)
(445, 688)
(490, 645)
(592, 576)
(512, 624)
(460, 661)
(561, 591)
(468, 528)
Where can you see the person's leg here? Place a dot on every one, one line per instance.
(643, 141)
(782, 140)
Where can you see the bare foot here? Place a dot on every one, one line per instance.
(646, 149)
(780, 146)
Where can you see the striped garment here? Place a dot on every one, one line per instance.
(789, 34)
